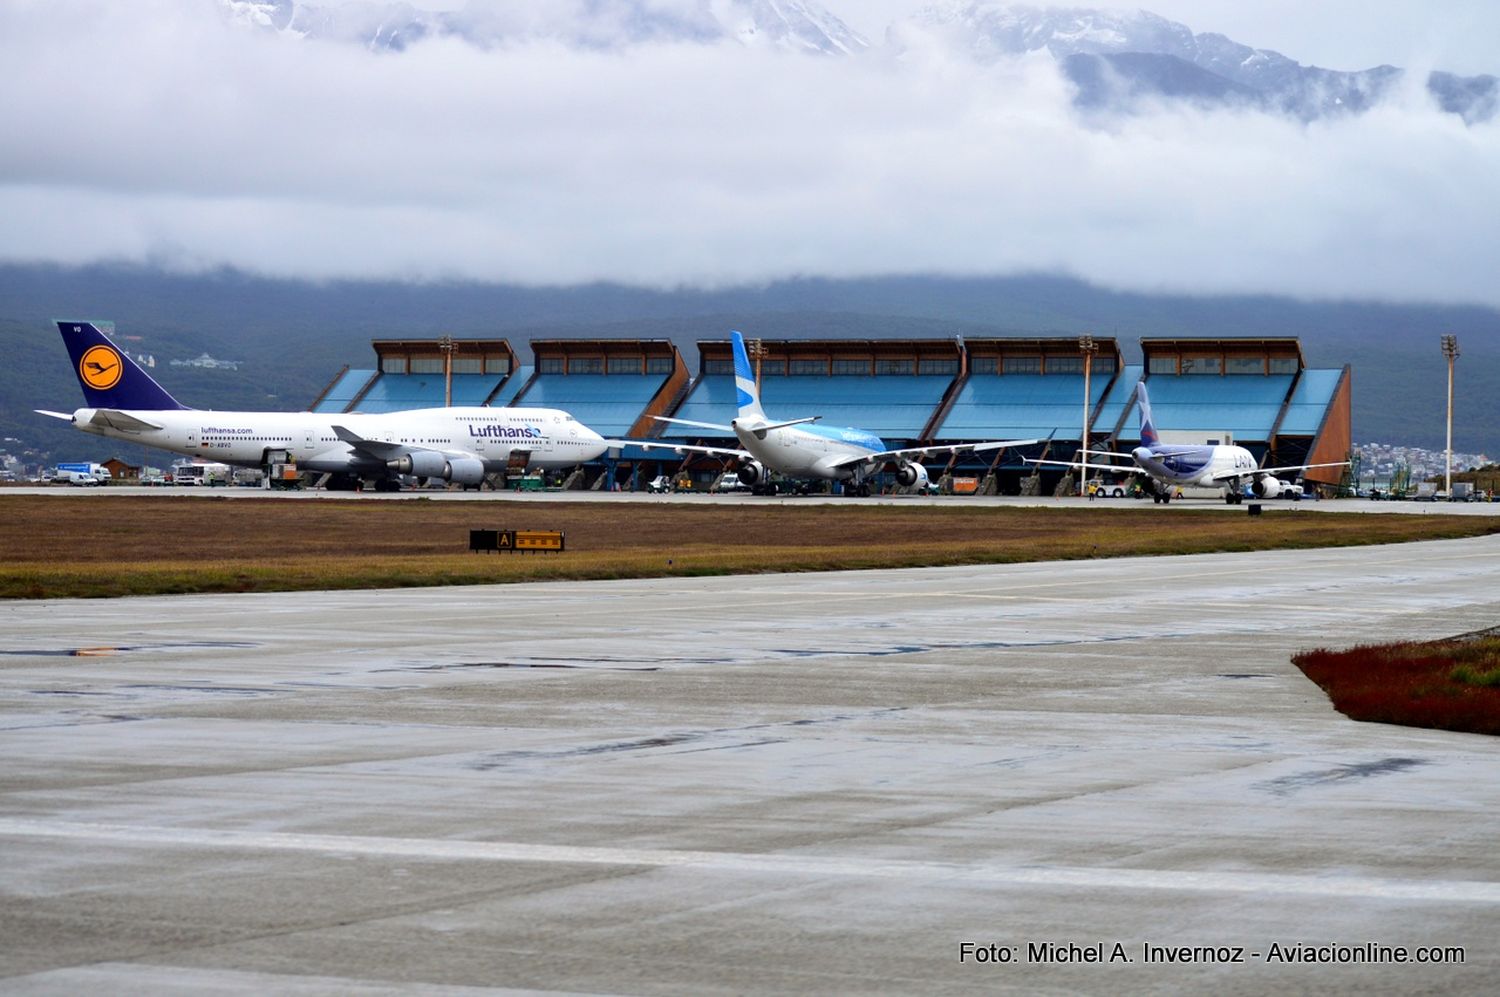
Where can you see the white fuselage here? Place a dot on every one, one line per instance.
(551, 437)
(1204, 466)
(808, 451)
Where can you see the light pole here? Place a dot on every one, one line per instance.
(1088, 348)
(757, 350)
(446, 345)
(1450, 350)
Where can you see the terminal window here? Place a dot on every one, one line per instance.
(393, 365)
(1283, 365)
(770, 367)
(1202, 365)
(585, 365)
(805, 368)
(859, 367)
(985, 365)
(1065, 365)
(658, 365)
(625, 365)
(497, 365)
(937, 365)
(1023, 365)
(1163, 365)
(718, 366)
(1245, 365)
(895, 366)
(468, 365)
(549, 365)
(426, 365)
(1104, 365)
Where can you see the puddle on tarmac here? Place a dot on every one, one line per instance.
(1359, 770)
(104, 652)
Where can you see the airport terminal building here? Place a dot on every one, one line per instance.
(1256, 392)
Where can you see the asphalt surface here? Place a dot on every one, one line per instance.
(810, 783)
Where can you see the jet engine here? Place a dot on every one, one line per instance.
(1266, 486)
(430, 464)
(751, 473)
(465, 471)
(911, 473)
(423, 463)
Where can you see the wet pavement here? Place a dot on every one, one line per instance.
(777, 783)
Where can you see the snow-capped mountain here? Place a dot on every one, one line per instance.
(793, 25)
(1116, 57)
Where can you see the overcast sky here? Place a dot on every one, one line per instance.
(156, 132)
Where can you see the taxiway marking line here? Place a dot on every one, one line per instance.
(1065, 877)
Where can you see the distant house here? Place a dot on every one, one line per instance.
(206, 361)
(121, 471)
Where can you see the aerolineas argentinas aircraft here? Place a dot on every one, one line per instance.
(459, 445)
(1226, 467)
(796, 448)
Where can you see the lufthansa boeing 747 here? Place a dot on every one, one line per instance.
(457, 444)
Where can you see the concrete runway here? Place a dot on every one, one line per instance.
(810, 783)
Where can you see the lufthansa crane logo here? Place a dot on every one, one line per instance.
(100, 367)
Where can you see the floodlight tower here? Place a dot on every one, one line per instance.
(1450, 350)
(446, 345)
(1088, 348)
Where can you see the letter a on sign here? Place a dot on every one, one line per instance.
(503, 540)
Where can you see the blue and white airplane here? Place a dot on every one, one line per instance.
(796, 448)
(459, 444)
(1225, 466)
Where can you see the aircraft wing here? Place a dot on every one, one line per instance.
(1229, 475)
(944, 449)
(1109, 468)
(374, 449)
(681, 448)
(700, 425)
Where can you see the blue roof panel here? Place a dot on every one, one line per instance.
(344, 389)
(1119, 401)
(1243, 405)
(1315, 391)
(606, 403)
(894, 407)
(395, 392)
(512, 386)
(1008, 406)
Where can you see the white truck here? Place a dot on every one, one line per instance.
(81, 474)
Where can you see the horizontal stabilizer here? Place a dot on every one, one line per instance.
(64, 416)
(761, 431)
(122, 421)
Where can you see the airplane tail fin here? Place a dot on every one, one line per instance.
(109, 378)
(746, 391)
(1148, 428)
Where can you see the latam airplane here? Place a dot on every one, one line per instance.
(1227, 467)
(796, 448)
(459, 445)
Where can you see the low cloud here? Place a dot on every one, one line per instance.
(159, 133)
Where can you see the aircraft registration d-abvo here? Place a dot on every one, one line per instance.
(1224, 466)
(455, 444)
(798, 449)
